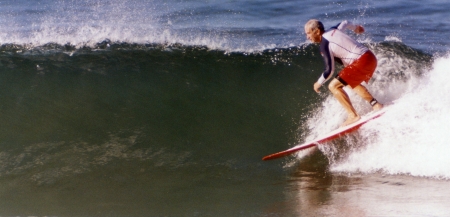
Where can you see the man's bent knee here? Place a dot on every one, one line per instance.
(335, 85)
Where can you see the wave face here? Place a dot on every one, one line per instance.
(138, 102)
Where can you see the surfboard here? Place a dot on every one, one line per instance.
(330, 136)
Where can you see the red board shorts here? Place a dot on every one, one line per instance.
(360, 70)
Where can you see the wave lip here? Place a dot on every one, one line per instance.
(85, 24)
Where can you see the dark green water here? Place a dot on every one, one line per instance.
(147, 130)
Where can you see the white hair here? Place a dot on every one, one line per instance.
(314, 24)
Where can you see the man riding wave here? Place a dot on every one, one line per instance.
(359, 64)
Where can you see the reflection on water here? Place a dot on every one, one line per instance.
(315, 191)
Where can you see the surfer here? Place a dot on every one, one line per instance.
(359, 63)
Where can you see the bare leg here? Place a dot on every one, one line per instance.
(336, 87)
(364, 93)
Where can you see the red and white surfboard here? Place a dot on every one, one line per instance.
(330, 136)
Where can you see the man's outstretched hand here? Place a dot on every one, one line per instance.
(359, 29)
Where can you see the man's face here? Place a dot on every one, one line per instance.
(313, 35)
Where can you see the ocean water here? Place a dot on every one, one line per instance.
(165, 108)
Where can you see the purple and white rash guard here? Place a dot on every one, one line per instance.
(336, 45)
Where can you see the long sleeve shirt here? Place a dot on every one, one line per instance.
(337, 46)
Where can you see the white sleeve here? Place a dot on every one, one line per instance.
(347, 25)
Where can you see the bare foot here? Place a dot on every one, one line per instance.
(351, 120)
(377, 106)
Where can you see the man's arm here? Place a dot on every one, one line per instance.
(358, 29)
(329, 64)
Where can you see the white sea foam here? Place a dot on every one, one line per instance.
(413, 136)
(85, 24)
(395, 75)
(393, 38)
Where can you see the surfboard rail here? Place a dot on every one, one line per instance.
(328, 137)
